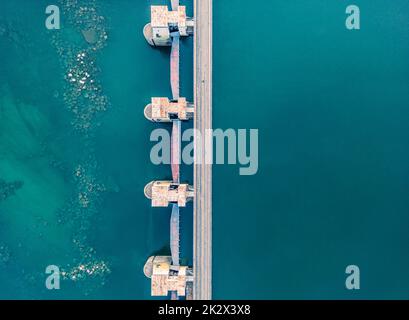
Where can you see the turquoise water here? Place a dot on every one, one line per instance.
(331, 107)
(77, 163)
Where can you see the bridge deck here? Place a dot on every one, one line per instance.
(202, 247)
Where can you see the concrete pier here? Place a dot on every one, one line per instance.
(202, 242)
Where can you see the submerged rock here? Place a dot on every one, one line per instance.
(2, 30)
(5, 254)
(8, 189)
(90, 35)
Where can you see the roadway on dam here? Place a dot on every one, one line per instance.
(202, 246)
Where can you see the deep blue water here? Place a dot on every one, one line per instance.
(332, 109)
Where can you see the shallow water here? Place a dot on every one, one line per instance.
(76, 146)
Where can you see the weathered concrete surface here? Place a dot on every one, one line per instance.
(202, 247)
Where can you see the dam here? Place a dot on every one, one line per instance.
(202, 223)
(165, 29)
